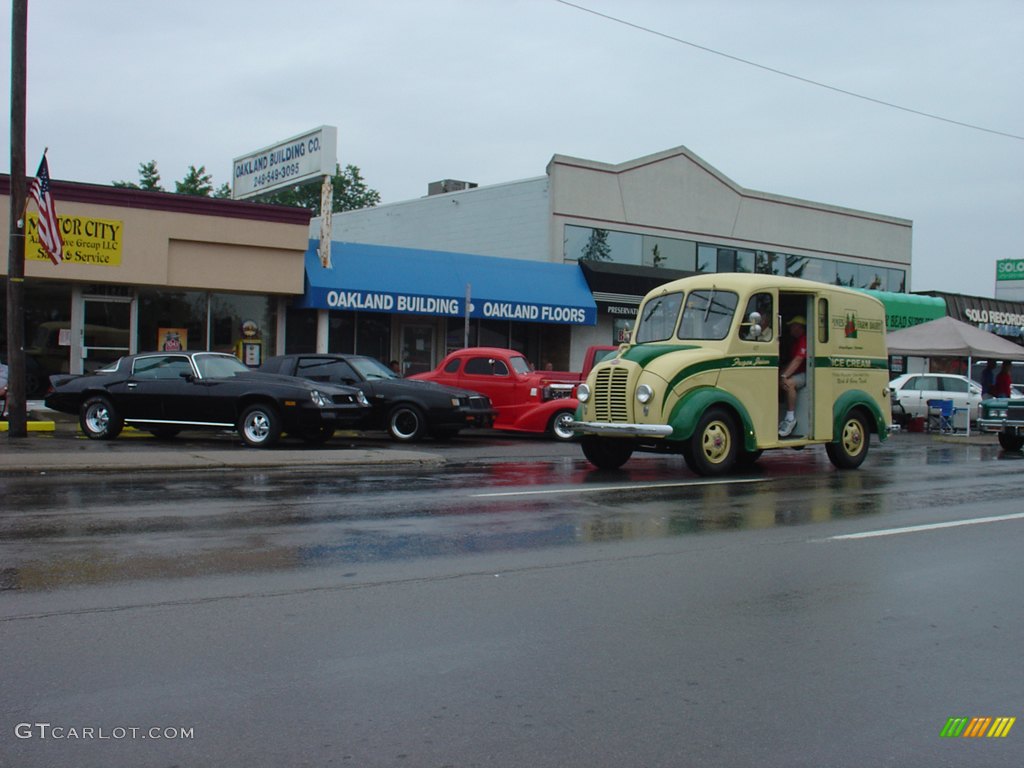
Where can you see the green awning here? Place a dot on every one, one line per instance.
(903, 310)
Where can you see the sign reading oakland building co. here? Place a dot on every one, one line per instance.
(301, 158)
(86, 240)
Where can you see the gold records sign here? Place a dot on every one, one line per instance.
(86, 240)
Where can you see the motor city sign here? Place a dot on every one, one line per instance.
(1010, 269)
(308, 156)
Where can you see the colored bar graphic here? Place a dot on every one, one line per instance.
(977, 727)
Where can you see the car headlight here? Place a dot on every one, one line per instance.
(582, 393)
(644, 393)
(456, 402)
(318, 398)
(361, 398)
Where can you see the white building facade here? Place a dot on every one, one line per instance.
(627, 228)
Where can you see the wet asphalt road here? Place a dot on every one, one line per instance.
(511, 607)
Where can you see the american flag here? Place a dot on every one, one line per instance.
(49, 227)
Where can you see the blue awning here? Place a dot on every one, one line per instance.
(377, 278)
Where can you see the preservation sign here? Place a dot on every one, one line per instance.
(87, 240)
(448, 306)
(1010, 269)
(296, 160)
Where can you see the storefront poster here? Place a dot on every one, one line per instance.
(172, 339)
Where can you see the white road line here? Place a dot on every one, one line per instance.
(604, 488)
(930, 527)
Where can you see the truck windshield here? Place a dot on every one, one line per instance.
(657, 318)
(707, 315)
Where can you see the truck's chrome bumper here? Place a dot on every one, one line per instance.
(620, 430)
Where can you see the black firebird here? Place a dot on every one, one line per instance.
(407, 409)
(165, 392)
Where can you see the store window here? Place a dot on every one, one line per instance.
(167, 315)
(300, 330)
(47, 312)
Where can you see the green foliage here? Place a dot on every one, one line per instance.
(350, 189)
(197, 182)
(350, 193)
(597, 247)
(149, 179)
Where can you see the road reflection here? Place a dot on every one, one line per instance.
(265, 522)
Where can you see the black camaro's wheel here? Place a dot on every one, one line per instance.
(99, 419)
(406, 423)
(1010, 441)
(260, 426)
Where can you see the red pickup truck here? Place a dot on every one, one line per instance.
(526, 400)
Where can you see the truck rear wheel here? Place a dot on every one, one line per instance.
(606, 452)
(850, 450)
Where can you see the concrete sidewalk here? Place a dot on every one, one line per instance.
(55, 444)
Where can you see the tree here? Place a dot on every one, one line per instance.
(149, 178)
(350, 193)
(597, 247)
(197, 182)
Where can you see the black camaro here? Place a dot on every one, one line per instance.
(165, 392)
(406, 408)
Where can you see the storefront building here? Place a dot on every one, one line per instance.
(149, 270)
(415, 306)
(627, 228)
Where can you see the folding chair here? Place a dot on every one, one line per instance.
(940, 414)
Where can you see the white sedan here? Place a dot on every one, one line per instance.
(912, 391)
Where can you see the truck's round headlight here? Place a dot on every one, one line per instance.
(644, 393)
(582, 393)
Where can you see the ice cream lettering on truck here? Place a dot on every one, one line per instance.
(703, 375)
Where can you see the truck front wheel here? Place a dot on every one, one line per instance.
(606, 452)
(715, 444)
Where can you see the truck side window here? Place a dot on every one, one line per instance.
(761, 303)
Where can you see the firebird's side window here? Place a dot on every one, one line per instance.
(486, 366)
(319, 369)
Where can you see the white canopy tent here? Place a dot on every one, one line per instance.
(947, 337)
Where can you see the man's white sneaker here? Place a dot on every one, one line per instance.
(786, 427)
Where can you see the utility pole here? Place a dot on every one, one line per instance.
(17, 425)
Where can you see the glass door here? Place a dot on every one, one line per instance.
(417, 349)
(106, 331)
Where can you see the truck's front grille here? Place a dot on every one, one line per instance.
(611, 401)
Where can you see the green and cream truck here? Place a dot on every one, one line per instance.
(701, 375)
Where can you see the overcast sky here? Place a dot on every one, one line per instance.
(488, 90)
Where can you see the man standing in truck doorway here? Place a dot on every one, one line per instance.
(794, 375)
